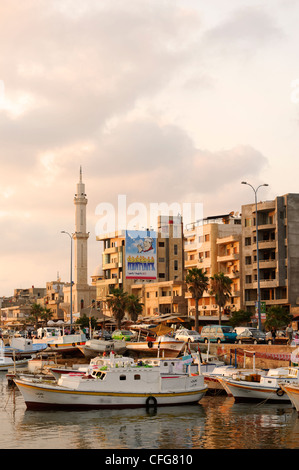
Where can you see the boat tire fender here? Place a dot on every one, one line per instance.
(150, 344)
(279, 392)
(73, 344)
(151, 401)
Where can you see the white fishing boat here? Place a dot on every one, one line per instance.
(173, 382)
(67, 344)
(259, 387)
(23, 347)
(7, 362)
(292, 391)
(94, 347)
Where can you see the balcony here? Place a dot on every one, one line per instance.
(225, 258)
(110, 266)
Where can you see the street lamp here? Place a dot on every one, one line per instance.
(71, 302)
(257, 254)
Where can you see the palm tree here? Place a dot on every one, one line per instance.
(198, 283)
(134, 306)
(117, 301)
(46, 314)
(36, 313)
(221, 288)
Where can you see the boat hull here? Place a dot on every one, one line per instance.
(243, 391)
(40, 397)
(155, 348)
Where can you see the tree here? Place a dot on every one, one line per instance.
(220, 287)
(84, 321)
(134, 306)
(117, 302)
(240, 317)
(36, 313)
(197, 283)
(46, 314)
(277, 317)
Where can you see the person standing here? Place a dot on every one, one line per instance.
(289, 332)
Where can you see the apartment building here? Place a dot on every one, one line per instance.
(214, 245)
(168, 260)
(278, 243)
(162, 297)
(54, 299)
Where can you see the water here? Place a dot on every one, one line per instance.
(215, 423)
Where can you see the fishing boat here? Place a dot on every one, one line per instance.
(7, 362)
(258, 387)
(292, 391)
(172, 382)
(67, 344)
(23, 347)
(160, 342)
(94, 347)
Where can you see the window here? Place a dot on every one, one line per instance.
(175, 249)
(137, 377)
(176, 266)
(161, 244)
(122, 377)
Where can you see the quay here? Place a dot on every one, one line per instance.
(266, 356)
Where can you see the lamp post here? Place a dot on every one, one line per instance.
(257, 255)
(71, 275)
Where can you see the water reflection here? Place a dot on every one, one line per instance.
(124, 429)
(215, 423)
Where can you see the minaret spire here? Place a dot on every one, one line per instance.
(80, 236)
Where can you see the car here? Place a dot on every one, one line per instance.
(251, 335)
(125, 335)
(102, 334)
(189, 336)
(218, 334)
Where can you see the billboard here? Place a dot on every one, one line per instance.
(141, 254)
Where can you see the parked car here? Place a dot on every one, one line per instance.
(125, 335)
(218, 334)
(102, 334)
(251, 335)
(189, 336)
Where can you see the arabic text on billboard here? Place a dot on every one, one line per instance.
(141, 255)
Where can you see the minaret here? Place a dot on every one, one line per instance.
(80, 236)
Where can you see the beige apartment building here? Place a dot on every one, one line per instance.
(166, 288)
(54, 299)
(214, 245)
(278, 242)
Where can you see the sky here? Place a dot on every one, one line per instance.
(160, 101)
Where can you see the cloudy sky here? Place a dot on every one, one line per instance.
(173, 101)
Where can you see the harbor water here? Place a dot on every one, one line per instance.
(216, 422)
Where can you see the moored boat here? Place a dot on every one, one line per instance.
(171, 383)
(94, 347)
(259, 387)
(67, 344)
(162, 346)
(292, 391)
